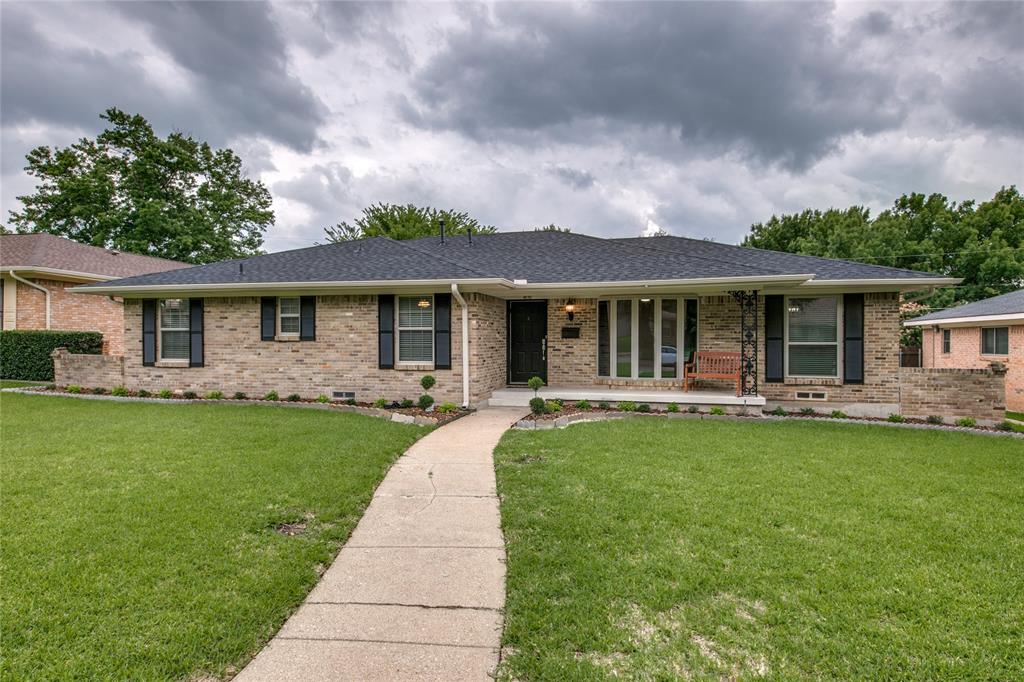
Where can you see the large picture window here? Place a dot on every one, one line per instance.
(174, 329)
(645, 338)
(812, 336)
(995, 340)
(415, 327)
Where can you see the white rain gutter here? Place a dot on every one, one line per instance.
(45, 291)
(465, 343)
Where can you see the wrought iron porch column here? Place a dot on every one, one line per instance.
(748, 340)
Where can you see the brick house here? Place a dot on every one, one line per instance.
(37, 270)
(604, 319)
(976, 335)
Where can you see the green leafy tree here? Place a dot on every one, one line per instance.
(552, 228)
(981, 243)
(405, 222)
(129, 189)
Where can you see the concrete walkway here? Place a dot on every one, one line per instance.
(417, 591)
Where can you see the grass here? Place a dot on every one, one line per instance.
(16, 383)
(649, 549)
(140, 542)
(1019, 416)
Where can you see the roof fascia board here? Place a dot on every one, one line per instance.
(35, 271)
(256, 288)
(971, 321)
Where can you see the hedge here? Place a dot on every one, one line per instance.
(25, 354)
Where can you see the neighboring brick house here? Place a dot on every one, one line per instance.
(597, 318)
(36, 271)
(975, 335)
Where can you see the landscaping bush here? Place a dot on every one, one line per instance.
(627, 406)
(535, 383)
(537, 405)
(271, 396)
(189, 395)
(643, 407)
(407, 402)
(294, 398)
(1004, 426)
(838, 414)
(73, 388)
(779, 411)
(322, 398)
(935, 419)
(582, 405)
(425, 401)
(552, 406)
(119, 391)
(717, 411)
(25, 354)
(143, 393)
(896, 418)
(604, 406)
(967, 422)
(240, 396)
(807, 410)
(99, 390)
(380, 403)
(427, 382)
(166, 394)
(350, 401)
(446, 408)
(215, 395)
(672, 407)
(692, 409)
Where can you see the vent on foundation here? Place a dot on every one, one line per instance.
(811, 395)
(342, 395)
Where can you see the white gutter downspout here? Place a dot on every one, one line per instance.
(465, 343)
(45, 291)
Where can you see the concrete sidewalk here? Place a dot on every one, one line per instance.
(417, 591)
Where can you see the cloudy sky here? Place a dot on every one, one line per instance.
(607, 118)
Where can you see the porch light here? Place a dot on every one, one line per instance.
(423, 303)
(570, 309)
(645, 300)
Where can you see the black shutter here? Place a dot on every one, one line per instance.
(774, 338)
(268, 318)
(853, 338)
(195, 332)
(307, 318)
(386, 330)
(149, 332)
(443, 331)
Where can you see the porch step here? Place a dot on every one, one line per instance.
(520, 397)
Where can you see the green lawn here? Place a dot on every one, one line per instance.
(140, 542)
(1019, 416)
(667, 549)
(16, 383)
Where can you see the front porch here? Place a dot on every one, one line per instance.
(520, 397)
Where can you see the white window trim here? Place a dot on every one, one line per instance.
(160, 329)
(298, 316)
(398, 332)
(635, 336)
(995, 354)
(838, 342)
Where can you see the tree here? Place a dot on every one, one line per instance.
(130, 190)
(982, 244)
(552, 228)
(405, 222)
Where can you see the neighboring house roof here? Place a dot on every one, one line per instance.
(998, 308)
(517, 260)
(48, 254)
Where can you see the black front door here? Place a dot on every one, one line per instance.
(527, 341)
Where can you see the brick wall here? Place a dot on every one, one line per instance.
(965, 352)
(70, 311)
(104, 371)
(488, 338)
(572, 362)
(953, 393)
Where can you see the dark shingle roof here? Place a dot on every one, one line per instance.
(1007, 304)
(49, 251)
(538, 257)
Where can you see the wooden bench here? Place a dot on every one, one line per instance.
(713, 365)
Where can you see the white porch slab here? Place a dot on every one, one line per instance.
(520, 397)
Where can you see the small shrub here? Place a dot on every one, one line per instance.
(294, 398)
(322, 398)
(446, 408)
(189, 395)
(119, 391)
(672, 407)
(582, 405)
(99, 390)
(428, 382)
(535, 383)
(380, 403)
(551, 407)
(143, 393)
(604, 406)
(537, 405)
(73, 388)
(407, 402)
(717, 411)
(643, 407)
(896, 418)
(239, 395)
(215, 395)
(350, 401)
(838, 414)
(692, 409)
(967, 422)
(935, 419)
(807, 410)
(1004, 426)
(272, 395)
(779, 411)
(425, 401)
(166, 394)
(627, 406)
